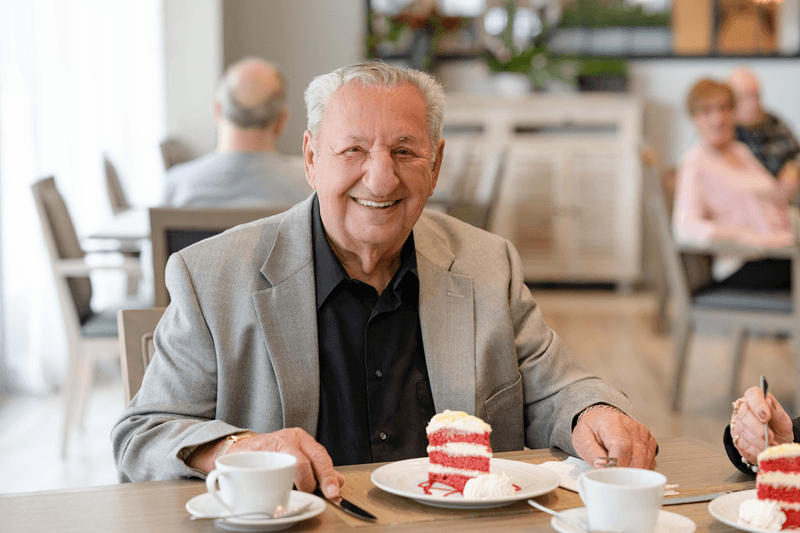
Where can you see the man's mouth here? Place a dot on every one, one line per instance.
(367, 203)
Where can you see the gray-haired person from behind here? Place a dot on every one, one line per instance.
(245, 169)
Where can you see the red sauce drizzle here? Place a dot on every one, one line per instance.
(426, 486)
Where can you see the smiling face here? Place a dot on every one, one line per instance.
(372, 166)
(714, 119)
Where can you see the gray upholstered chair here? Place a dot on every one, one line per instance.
(739, 312)
(136, 349)
(90, 334)
(116, 196)
(174, 228)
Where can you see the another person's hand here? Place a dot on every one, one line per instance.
(750, 413)
(789, 177)
(607, 433)
(314, 465)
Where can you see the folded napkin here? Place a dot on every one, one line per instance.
(569, 469)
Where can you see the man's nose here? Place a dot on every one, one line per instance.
(379, 173)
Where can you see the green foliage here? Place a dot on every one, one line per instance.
(594, 14)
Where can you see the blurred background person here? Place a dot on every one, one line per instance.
(767, 136)
(245, 169)
(723, 193)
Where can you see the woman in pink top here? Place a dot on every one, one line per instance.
(724, 194)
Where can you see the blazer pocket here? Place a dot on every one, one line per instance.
(504, 414)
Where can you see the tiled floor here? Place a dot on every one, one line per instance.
(609, 332)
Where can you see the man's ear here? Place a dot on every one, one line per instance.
(308, 158)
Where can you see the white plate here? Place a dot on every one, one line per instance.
(726, 509)
(667, 522)
(204, 506)
(403, 478)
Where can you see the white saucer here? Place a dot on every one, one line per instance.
(204, 506)
(667, 522)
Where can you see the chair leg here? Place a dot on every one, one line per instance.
(86, 379)
(660, 318)
(71, 392)
(740, 336)
(683, 334)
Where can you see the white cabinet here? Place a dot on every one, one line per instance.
(569, 197)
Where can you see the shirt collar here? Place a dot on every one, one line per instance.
(328, 270)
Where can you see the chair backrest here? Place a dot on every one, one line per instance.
(62, 243)
(175, 228)
(116, 196)
(136, 348)
(174, 152)
(659, 218)
(477, 200)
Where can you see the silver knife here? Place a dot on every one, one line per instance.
(695, 499)
(348, 507)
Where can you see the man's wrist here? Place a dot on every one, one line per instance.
(592, 408)
(229, 441)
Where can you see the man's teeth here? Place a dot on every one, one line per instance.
(375, 204)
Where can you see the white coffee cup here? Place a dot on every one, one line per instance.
(622, 499)
(252, 481)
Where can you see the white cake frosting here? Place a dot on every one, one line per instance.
(462, 449)
(790, 449)
(762, 514)
(457, 420)
(488, 486)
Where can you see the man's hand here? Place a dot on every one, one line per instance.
(606, 433)
(314, 465)
(747, 424)
(789, 177)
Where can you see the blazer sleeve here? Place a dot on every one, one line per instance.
(174, 411)
(556, 387)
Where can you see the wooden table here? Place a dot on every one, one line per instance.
(159, 506)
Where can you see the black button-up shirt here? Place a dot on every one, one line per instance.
(375, 398)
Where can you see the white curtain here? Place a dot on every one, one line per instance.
(78, 79)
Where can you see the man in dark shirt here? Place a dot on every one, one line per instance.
(335, 330)
(770, 140)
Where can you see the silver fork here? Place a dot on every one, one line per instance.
(580, 524)
(259, 514)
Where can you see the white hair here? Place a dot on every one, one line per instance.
(322, 88)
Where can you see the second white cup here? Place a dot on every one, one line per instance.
(622, 499)
(253, 481)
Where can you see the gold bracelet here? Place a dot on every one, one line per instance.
(597, 406)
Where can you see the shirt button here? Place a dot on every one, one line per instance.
(382, 435)
(378, 374)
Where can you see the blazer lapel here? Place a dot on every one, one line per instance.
(447, 316)
(287, 313)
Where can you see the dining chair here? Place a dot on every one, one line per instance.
(91, 335)
(136, 348)
(174, 228)
(116, 195)
(740, 312)
(174, 152)
(119, 203)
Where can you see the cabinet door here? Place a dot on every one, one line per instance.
(528, 208)
(592, 192)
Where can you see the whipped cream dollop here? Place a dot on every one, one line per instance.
(488, 486)
(762, 514)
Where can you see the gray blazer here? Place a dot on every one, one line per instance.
(237, 347)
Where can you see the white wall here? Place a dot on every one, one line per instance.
(193, 64)
(304, 37)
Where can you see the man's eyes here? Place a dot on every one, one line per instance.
(397, 152)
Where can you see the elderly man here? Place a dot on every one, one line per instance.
(250, 112)
(770, 140)
(336, 330)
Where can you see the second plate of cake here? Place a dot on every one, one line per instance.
(408, 478)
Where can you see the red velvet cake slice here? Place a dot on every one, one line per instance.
(778, 480)
(458, 448)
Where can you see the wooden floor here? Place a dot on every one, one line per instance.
(610, 333)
